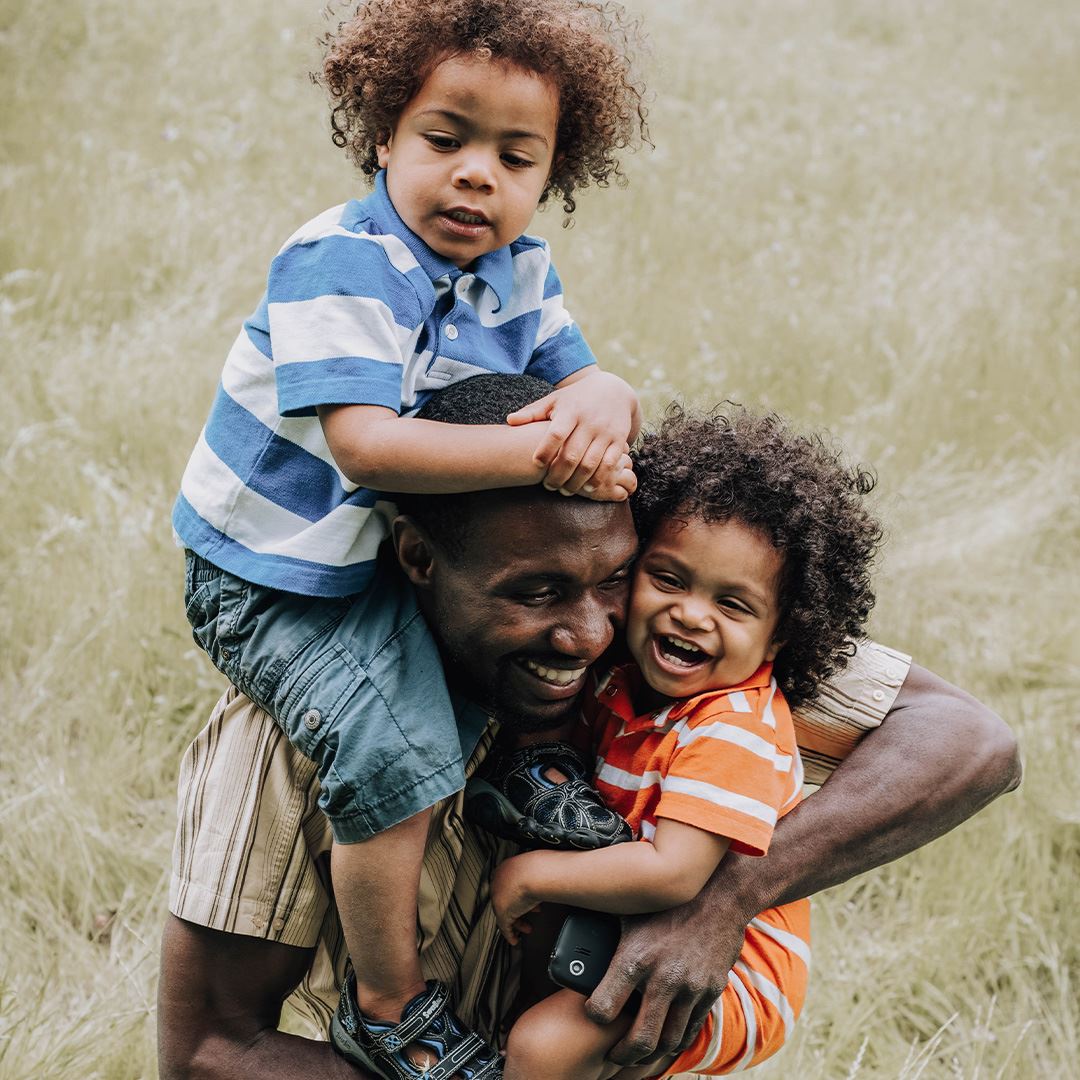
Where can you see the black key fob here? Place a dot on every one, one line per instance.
(583, 950)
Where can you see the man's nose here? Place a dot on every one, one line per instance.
(586, 631)
(475, 170)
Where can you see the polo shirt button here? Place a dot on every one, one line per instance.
(312, 719)
(451, 331)
(879, 695)
(279, 923)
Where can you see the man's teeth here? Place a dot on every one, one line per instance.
(558, 676)
(466, 219)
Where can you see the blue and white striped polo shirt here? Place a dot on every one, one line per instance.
(358, 310)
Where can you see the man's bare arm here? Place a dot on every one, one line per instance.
(219, 1002)
(937, 758)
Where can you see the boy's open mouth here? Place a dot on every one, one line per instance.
(464, 222)
(678, 652)
(467, 218)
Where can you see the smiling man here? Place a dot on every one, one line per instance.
(522, 589)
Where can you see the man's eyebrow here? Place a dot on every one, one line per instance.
(466, 122)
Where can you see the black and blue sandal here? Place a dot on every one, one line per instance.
(515, 798)
(426, 1022)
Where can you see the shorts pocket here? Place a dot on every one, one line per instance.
(310, 703)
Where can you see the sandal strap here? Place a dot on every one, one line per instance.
(416, 1023)
(385, 1047)
(558, 753)
(459, 1057)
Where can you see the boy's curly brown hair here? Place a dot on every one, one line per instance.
(377, 60)
(730, 464)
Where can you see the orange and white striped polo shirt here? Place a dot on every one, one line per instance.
(724, 761)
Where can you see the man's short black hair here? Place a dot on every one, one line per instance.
(483, 399)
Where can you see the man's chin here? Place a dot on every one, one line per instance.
(520, 721)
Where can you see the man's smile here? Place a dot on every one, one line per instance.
(550, 682)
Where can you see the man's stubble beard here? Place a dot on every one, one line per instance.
(502, 706)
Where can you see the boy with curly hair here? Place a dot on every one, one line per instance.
(752, 586)
(468, 114)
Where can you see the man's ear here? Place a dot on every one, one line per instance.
(414, 549)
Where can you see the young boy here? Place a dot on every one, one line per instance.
(753, 582)
(469, 114)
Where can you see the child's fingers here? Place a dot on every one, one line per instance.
(552, 443)
(616, 488)
(506, 928)
(615, 461)
(573, 449)
(538, 410)
(590, 464)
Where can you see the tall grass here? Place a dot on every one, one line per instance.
(865, 216)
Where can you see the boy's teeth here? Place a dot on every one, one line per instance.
(466, 219)
(558, 676)
(679, 651)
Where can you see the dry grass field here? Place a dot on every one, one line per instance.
(866, 216)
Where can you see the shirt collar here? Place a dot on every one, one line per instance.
(495, 269)
(616, 692)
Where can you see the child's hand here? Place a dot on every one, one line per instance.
(593, 421)
(510, 900)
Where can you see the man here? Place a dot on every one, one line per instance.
(506, 580)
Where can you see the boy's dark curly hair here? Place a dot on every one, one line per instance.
(797, 490)
(377, 60)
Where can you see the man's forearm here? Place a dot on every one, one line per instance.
(938, 758)
(271, 1055)
(219, 1001)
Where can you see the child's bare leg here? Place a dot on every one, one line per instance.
(555, 1040)
(376, 883)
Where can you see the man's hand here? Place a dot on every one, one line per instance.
(678, 960)
(594, 418)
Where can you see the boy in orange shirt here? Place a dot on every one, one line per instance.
(753, 583)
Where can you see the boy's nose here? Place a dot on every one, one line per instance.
(474, 171)
(691, 614)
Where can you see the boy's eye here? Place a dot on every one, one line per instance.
(732, 605)
(516, 162)
(666, 582)
(442, 142)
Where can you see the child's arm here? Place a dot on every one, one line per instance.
(627, 879)
(376, 448)
(594, 417)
